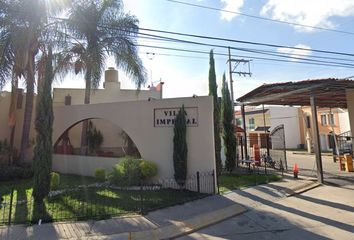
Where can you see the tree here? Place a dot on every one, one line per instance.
(102, 28)
(229, 138)
(95, 138)
(213, 92)
(42, 160)
(22, 25)
(180, 148)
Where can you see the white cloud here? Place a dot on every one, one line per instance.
(308, 12)
(294, 53)
(232, 6)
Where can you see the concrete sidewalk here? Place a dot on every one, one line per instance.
(164, 223)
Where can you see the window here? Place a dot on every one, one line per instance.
(331, 119)
(239, 122)
(251, 123)
(68, 100)
(308, 122)
(323, 119)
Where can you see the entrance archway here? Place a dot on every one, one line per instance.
(154, 140)
(109, 140)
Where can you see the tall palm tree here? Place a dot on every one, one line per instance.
(22, 24)
(102, 29)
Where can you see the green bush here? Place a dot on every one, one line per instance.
(100, 174)
(54, 181)
(126, 172)
(148, 169)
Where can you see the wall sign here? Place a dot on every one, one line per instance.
(165, 117)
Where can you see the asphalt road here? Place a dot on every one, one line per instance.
(332, 175)
(325, 212)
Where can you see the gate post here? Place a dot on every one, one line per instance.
(284, 144)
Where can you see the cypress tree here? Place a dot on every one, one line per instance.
(228, 133)
(42, 159)
(213, 92)
(180, 148)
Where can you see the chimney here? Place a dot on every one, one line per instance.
(111, 78)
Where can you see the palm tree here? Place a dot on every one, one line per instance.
(102, 29)
(22, 25)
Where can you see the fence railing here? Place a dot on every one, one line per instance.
(100, 201)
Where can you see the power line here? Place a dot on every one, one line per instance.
(260, 50)
(244, 56)
(261, 18)
(303, 60)
(223, 39)
(245, 42)
(253, 51)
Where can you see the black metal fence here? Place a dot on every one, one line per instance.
(344, 143)
(101, 201)
(277, 155)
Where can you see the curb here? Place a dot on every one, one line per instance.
(303, 188)
(178, 228)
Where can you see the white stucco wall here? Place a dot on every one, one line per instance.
(5, 99)
(344, 123)
(154, 143)
(111, 93)
(82, 165)
(350, 104)
(290, 118)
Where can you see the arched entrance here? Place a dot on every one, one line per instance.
(154, 141)
(104, 138)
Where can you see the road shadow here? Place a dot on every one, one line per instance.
(321, 219)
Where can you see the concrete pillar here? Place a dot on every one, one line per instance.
(316, 139)
(243, 113)
(350, 106)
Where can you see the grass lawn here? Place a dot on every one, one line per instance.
(86, 203)
(230, 181)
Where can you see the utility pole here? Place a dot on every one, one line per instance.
(231, 83)
(233, 70)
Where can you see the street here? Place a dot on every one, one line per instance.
(332, 175)
(325, 212)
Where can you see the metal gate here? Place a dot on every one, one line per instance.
(278, 147)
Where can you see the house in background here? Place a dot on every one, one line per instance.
(329, 120)
(297, 125)
(17, 119)
(273, 116)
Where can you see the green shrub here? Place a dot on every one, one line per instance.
(148, 169)
(126, 172)
(54, 180)
(100, 174)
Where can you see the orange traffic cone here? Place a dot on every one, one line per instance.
(295, 170)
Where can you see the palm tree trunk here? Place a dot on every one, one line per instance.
(12, 115)
(84, 144)
(27, 119)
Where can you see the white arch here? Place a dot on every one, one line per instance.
(154, 143)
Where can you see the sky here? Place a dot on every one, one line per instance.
(186, 73)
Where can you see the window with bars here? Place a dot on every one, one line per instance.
(323, 119)
(331, 119)
(251, 124)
